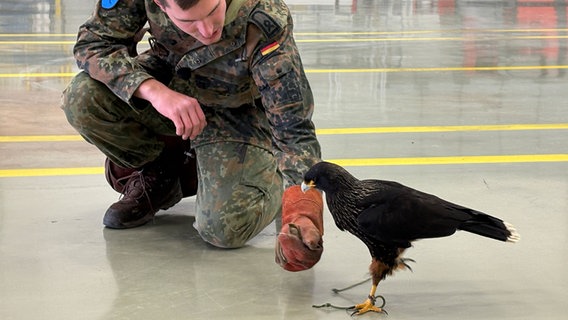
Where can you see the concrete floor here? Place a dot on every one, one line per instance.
(465, 100)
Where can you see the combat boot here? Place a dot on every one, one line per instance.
(145, 192)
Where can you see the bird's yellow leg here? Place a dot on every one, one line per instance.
(369, 304)
(378, 270)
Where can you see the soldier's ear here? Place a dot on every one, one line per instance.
(159, 4)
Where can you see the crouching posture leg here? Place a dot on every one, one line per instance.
(139, 165)
(239, 192)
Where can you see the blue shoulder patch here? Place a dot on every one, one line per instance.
(108, 4)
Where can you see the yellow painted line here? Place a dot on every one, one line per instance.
(38, 75)
(47, 138)
(407, 32)
(333, 40)
(468, 31)
(66, 42)
(38, 35)
(334, 131)
(436, 69)
(472, 38)
(531, 158)
(42, 172)
(504, 127)
(369, 70)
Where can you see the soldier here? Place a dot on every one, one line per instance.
(219, 106)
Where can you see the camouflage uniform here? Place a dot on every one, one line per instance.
(257, 101)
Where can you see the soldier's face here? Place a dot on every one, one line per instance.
(204, 21)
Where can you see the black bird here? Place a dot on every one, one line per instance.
(388, 216)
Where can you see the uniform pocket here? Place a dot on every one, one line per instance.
(281, 81)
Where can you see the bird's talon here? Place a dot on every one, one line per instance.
(370, 309)
(369, 305)
(382, 298)
(402, 263)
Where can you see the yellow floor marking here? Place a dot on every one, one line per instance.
(39, 75)
(347, 70)
(436, 69)
(46, 138)
(53, 42)
(499, 127)
(471, 37)
(528, 158)
(41, 172)
(459, 160)
(334, 131)
(343, 33)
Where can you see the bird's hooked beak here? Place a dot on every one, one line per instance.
(307, 185)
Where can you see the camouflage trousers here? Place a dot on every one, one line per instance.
(239, 192)
(239, 186)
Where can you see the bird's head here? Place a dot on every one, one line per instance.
(307, 185)
(325, 176)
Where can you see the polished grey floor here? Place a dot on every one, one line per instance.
(466, 100)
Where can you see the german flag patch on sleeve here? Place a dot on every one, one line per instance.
(269, 48)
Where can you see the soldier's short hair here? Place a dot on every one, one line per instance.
(184, 4)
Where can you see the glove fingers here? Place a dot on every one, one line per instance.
(284, 256)
(293, 254)
(308, 234)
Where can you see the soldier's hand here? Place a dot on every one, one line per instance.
(184, 111)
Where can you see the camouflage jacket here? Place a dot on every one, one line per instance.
(251, 84)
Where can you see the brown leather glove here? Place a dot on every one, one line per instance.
(299, 245)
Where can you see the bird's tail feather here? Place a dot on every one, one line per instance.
(491, 227)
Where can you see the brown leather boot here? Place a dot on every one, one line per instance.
(144, 192)
(179, 157)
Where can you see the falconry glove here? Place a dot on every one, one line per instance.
(299, 245)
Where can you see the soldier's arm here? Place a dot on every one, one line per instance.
(184, 111)
(287, 97)
(106, 46)
(106, 50)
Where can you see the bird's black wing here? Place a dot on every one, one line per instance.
(396, 214)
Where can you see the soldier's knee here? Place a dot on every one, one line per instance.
(223, 240)
(221, 235)
(229, 232)
(87, 102)
(238, 219)
(239, 194)
(74, 101)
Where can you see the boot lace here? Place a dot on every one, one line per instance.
(135, 187)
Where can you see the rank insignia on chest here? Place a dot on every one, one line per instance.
(269, 48)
